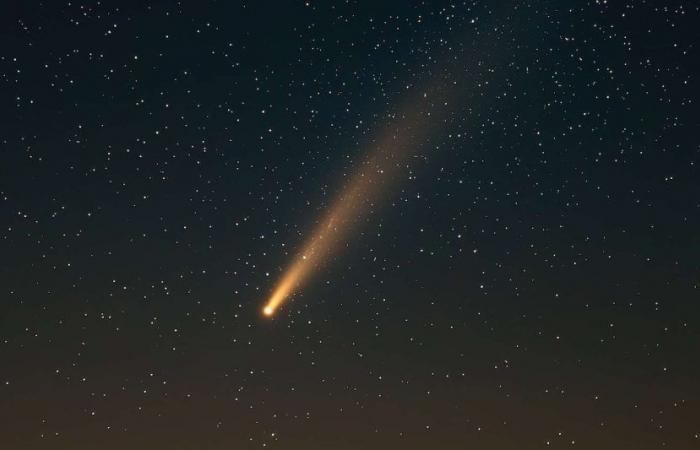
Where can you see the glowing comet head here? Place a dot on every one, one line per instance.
(285, 286)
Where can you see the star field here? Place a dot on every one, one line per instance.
(528, 278)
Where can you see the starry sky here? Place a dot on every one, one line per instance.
(528, 278)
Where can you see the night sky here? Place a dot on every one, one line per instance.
(525, 275)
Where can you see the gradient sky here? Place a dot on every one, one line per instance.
(528, 275)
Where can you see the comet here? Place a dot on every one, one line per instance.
(405, 133)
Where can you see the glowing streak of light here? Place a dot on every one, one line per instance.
(405, 133)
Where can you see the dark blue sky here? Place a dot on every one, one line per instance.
(531, 281)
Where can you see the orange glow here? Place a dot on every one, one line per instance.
(401, 139)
